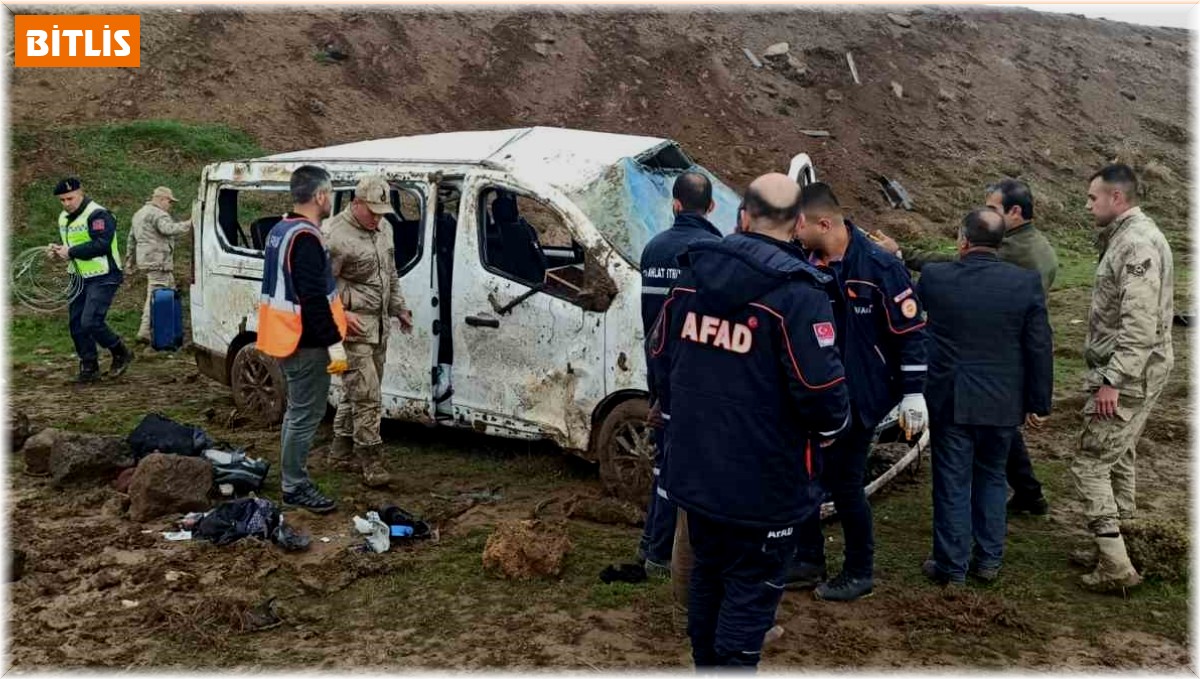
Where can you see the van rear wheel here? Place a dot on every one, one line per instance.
(625, 450)
(259, 387)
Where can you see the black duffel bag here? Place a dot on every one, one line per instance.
(157, 432)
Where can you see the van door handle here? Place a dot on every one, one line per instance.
(483, 322)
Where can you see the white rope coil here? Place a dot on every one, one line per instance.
(42, 284)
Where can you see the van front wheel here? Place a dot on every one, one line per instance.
(625, 450)
(259, 387)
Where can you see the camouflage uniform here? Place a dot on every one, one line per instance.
(364, 264)
(1129, 347)
(151, 246)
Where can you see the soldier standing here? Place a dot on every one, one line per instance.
(1129, 358)
(151, 247)
(363, 261)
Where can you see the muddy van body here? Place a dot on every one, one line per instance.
(542, 319)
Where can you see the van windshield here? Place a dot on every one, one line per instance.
(631, 202)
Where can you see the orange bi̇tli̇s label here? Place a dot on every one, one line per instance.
(77, 40)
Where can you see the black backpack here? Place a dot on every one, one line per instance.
(157, 432)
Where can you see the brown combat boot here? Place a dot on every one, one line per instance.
(1114, 571)
(341, 454)
(374, 474)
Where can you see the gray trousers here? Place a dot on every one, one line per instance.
(308, 395)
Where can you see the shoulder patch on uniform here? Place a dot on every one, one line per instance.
(909, 308)
(1138, 269)
(98, 224)
(903, 296)
(825, 333)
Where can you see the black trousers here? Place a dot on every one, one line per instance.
(1020, 471)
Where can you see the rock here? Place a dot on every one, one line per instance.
(946, 95)
(901, 21)
(317, 107)
(607, 510)
(520, 550)
(115, 507)
(546, 37)
(796, 65)
(169, 484)
(1158, 171)
(897, 89)
(833, 96)
(1129, 95)
(37, 451)
(127, 103)
(639, 61)
(121, 483)
(540, 48)
(19, 429)
(76, 458)
(776, 51)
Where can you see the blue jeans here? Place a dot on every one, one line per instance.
(736, 587)
(659, 534)
(970, 489)
(88, 314)
(308, 396)
(843, 474)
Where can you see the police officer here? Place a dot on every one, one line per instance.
(691, 201)
(1027, 247)
(301, 323)
(89, 246)
(151, 246)
(746, 366)
(1129, 358)
(882, 341)
(363, 261)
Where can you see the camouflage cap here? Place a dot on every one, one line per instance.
(373, 191)
(164, 192)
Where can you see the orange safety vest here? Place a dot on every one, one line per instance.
(279, 322)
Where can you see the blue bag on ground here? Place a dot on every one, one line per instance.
(166, 320)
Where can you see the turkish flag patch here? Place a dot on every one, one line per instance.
(826, 336)
(97, 224)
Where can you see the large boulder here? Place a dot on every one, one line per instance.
(36, 451)
(169, 484)
(520, 550)
(80, 458)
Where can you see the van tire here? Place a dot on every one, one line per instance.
(625, 450)
(259, 387)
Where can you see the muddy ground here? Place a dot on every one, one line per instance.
(1047, 97)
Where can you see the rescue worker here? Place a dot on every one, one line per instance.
(991, 366)
(150, 248)
(363, 262)
(301, 323)
(747, 372)
(1027, 247)
(691, 202)
(882, 341)
(89, 246)
(1129, 358)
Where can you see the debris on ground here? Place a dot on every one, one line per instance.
(377, 532)
(248, 517)
(169, 484)
(897, 89)
(521, 550)
(899, 20)
(895, 194)
(632, 573)
(853, 69)
(1159, 548)
(156, 432)
(753, 59)
(777, 51)
(233, 468)
(607, 510)
(814, 133)
(403, 524)
(78, 458)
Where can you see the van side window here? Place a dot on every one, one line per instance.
(406, 223)
(245, 216)
(524, 239)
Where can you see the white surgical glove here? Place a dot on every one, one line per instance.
(914, 415)
(338, 363)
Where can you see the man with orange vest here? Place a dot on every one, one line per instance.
(301, 323)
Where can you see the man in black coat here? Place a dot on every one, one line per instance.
(991, 365)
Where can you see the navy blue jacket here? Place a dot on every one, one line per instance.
(746, 368)
(100, 244)
(660, 261)
(881, 327)
(991, 357)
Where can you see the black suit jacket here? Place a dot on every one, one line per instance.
(991, 357)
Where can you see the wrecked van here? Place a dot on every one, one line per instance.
(517, 252)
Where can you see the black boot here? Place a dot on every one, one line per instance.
(89, 371)
(121, 358)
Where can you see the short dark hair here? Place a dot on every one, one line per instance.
(307, 180)
(1121, 176)
(1014, 192)
(983, 228)
(818, 197)
(758, 208)
(693, 190)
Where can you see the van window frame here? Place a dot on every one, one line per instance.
(344, 194)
